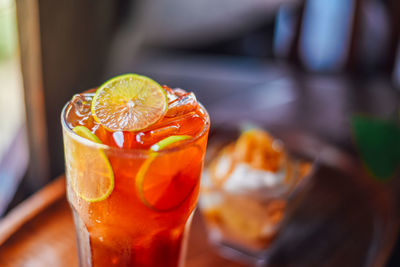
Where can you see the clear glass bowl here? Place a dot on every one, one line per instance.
(243, 218)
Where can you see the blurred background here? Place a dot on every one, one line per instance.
(297, 65)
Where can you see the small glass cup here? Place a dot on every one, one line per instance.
(129, 227)
(242, 220)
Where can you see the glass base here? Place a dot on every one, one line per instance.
(83, 241)
(234, 252)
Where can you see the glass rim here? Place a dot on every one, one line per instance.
(135, 151)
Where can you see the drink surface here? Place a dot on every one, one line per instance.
(184, 116)
(143, 220)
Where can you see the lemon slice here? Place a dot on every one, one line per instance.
(165, 181)
(129, 102)
(90, 173)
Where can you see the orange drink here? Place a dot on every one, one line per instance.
(134, 154)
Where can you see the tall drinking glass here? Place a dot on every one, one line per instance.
(143, 217)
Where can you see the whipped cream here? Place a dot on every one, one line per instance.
(245, 178)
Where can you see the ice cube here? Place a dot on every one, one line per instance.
(82, 103)
(179, 92)
(153, 136)
(188, 123)
(181, 105)
(176, 120)
(170, 94)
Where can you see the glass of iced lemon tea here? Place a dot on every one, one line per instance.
(134, 153)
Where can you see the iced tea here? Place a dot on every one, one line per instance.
(132, 203)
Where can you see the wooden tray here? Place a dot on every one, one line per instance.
(40, 232)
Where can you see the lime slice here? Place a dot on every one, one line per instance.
(165, 181)
(169, 141)
(90, 173)
(129, 102)
(86, 133)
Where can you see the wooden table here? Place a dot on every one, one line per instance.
(40, 232)
(352, 214)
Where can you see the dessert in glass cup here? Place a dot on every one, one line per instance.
(134, 153)
(245, 190)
